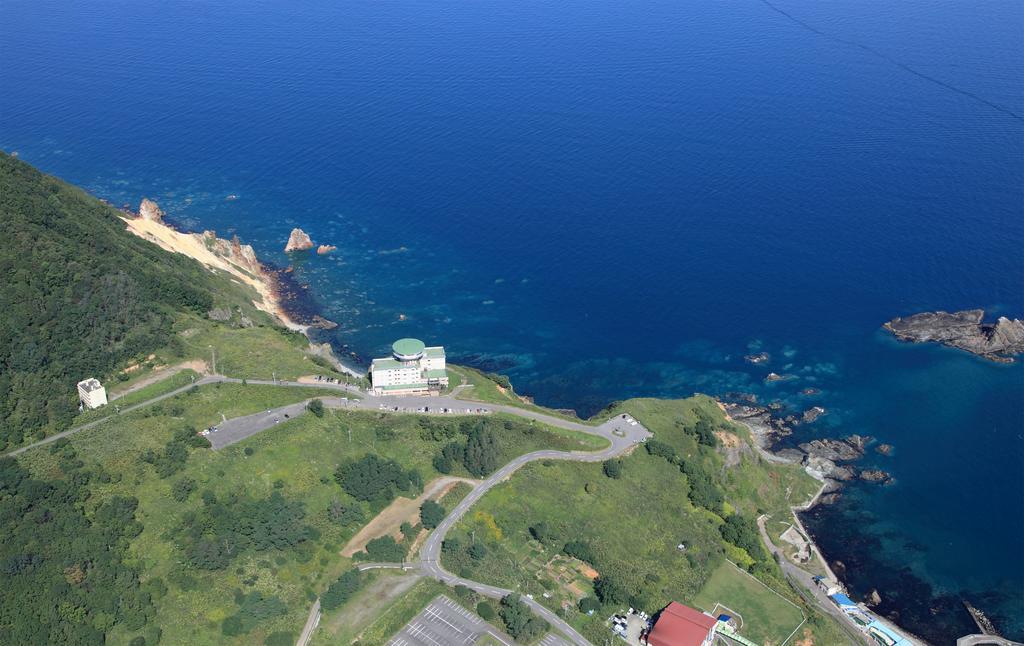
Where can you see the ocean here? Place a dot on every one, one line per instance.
(612, 199)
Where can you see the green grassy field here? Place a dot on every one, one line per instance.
(297, 458)
(767, 617)
(392, 616)
(183, 378)
(633, 523)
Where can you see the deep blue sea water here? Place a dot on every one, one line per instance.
(610, 199)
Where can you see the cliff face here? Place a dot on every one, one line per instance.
(965, 330)
(298, 241)
(217, 254)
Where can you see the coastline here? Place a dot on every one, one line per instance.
(762, 444)
(241, 264)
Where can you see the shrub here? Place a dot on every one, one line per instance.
(182, 489)
(485, 610)
(589, 604)
(316, 407)
(613, 469)
(477, 551)
(661, 449)
(231, 626)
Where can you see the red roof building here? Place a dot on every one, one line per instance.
(680, 625)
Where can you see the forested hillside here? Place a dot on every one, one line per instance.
(79, 295)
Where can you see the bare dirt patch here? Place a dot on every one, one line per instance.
(159, 374)
(728, 440)
(370, 601)
(390, 519)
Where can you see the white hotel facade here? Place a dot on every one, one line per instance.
(412, 369)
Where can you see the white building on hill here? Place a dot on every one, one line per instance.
(412, 369)
(91, 393)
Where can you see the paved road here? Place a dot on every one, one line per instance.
(618, 431)
(127, 409)
(350, 391)
(312, 621)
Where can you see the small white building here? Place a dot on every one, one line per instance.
(91, 393)
(412, 369)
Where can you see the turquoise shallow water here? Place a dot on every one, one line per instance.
(606, 200)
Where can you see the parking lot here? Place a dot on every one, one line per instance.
(446, 623)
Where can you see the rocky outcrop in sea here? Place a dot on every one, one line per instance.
(965, 330)
(299, 240)
(149, 210)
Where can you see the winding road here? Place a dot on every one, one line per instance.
(622, 433)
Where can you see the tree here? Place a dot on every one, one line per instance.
(316, 407)
(431, 514)
(613, 468)
(342, 589)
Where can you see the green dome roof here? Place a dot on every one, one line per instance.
(408, 347)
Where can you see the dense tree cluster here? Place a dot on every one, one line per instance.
(375, 479)
(519, 620)
(342, 589)
(741, 531)
(481, 450)
(64, 573)
(703, 490)
(80, 295)
(212, 536)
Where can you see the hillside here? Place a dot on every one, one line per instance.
(80, 296)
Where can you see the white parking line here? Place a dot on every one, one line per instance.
(434, 614)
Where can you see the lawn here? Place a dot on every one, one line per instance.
(767, 617)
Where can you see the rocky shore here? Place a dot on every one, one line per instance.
(966, 330)
(830, 460)
(279, 295)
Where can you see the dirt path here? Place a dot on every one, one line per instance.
(390, 519)
(160, 375)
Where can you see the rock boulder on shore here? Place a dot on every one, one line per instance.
(965, 330)
(298, 241)
(835, 450)
(149, 210)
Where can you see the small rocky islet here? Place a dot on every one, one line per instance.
(966, 330)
